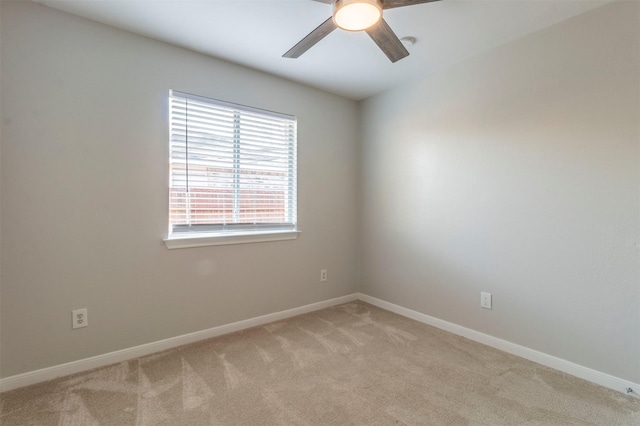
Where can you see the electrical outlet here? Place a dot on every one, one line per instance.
(485, 300)
(79, 318)
(323, 275)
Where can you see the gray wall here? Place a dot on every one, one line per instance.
(84, 194)
(516, 172)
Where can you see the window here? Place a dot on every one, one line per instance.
(233, 173)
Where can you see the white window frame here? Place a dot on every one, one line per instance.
(200, 234)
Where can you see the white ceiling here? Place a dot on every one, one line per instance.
(255, 33)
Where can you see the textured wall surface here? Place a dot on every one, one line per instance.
(517, 173)
(85, 186)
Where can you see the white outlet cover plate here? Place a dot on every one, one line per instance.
(79, 318)
(485, 300)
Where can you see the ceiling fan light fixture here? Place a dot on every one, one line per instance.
(357, 15)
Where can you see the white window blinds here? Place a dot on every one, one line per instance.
(233, 168)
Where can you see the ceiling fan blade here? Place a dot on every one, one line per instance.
(312, 38)
(390, 4)
(325, 1)
(388, 41)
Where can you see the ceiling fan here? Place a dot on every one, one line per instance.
(359, 15)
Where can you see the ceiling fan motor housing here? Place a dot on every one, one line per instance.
(356, 15)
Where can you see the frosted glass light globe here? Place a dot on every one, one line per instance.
(356, 15)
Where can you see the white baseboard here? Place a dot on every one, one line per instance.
(73, 367)
(565, 366)
(594, 376)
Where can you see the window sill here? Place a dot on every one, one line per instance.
(189, 241)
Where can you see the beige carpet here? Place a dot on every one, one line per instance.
(352, 364)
